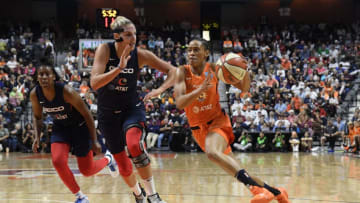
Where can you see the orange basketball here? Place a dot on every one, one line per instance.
(231, 68)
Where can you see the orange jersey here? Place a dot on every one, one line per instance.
(206, 107)
(356, 131)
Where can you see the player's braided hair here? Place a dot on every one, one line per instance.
(204, 43)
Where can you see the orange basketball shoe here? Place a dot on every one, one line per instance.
(283, 197)
(261, 195)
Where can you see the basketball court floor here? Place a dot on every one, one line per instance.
(189, 178)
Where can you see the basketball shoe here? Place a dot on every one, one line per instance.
(142, 197)
(112, 166)
(283, 197)
(261, 195)
(82, 200)
(155, 198)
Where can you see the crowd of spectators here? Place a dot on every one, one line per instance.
(300, 75)
(20, 49)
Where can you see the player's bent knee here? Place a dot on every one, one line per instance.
(59, 162)
(134, 141)
(135, 144)
(136, 149)
(124, 164)
(85, 171)
(126, 170)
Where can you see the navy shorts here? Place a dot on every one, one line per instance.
(77, 136)
(113, 124)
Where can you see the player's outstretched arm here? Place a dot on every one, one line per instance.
(37, 119)
(148, 58)
(181, 98)
(98, 78)
(244, 84)
(73, 98)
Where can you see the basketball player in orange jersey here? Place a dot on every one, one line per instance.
(196, 92)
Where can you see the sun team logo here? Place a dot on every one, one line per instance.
(202, 97)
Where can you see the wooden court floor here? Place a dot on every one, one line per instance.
(189, 178)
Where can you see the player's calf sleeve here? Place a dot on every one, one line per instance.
(124, 163)
(245, 178)
(59, 156)
(88, 166)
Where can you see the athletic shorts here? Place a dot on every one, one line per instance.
(220, 125)
(113, 124)
(77, 136)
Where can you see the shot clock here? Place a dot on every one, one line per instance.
(105, 16)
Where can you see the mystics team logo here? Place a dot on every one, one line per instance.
(202, 97)
(122, 81)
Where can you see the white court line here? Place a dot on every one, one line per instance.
(37, 200)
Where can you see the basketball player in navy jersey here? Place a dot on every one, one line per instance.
(121, 113)
(73, 129)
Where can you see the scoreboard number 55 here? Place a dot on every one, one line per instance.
(106, 16)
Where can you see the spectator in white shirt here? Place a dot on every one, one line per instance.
(12, 63)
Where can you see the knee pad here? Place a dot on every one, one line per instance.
(136, 148)
(124, 163)
(245, 178)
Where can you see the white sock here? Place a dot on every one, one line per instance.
(136, 189)
(80, 195)
(149, 185)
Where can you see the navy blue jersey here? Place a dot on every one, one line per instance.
(120, 93)
(63, 113)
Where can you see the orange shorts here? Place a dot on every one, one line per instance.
(220, 125)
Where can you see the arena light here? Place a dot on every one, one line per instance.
(206, 35)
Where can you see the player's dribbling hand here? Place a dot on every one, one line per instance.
(207, 83)
(96, 147)
(152, 94)
(125, 56)
(35, 145)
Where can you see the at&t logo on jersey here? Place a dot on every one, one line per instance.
(197, 109)
(60, 116)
